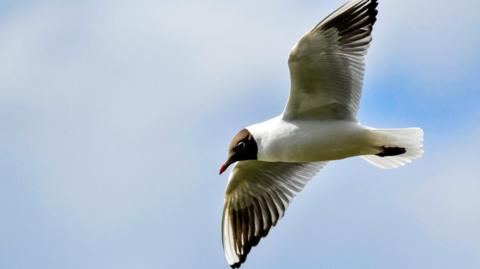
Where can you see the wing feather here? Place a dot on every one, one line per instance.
(327, 64)
(257, 196)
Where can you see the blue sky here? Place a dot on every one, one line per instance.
(115, 116)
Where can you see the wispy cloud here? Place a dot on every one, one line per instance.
(115, 116)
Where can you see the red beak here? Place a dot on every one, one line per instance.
(224, 166)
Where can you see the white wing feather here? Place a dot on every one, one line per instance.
(257, 195)
(327, 64)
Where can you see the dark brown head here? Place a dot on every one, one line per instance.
(243, 147)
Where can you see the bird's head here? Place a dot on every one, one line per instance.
(243, 147)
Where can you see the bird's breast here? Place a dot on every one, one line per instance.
(310, 141)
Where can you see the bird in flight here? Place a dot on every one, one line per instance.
(276, 158)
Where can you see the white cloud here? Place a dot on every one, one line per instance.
(446, 201)
(433, 42)
(108, 104)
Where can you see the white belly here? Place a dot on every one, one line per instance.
(310, 141)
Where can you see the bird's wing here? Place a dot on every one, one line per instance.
(327, 64)
(257, 196)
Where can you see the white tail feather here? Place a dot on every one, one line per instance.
(409, 138)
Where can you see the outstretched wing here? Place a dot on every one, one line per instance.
(327, 64)
(257, 196)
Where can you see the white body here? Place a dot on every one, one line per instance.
(279, 140)
(317, 125)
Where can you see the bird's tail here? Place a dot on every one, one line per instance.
(396, 147)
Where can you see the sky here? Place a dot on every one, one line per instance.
(115, 116)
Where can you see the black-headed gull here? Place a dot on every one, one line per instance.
(276, 158)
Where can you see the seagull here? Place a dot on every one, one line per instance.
(276, 158)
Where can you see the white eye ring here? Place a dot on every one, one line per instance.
(241, 145)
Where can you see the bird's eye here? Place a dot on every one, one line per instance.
(241, 145)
